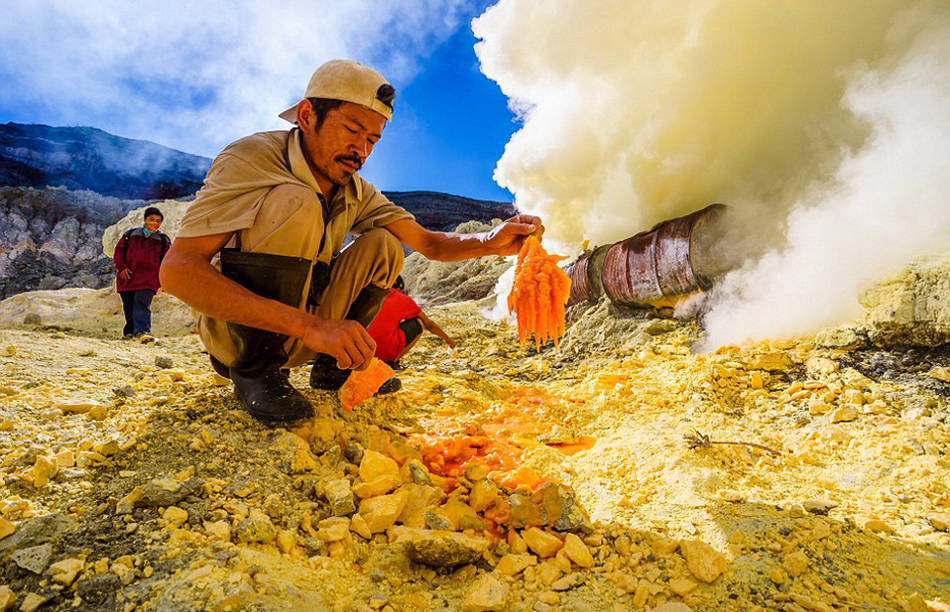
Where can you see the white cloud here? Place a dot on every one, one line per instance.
(197, 75)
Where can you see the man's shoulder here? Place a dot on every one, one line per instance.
(257, 144)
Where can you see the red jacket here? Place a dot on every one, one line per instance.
(142, 256)
(390, 340)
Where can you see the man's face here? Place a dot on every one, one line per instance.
(341, 144)
(153, 222)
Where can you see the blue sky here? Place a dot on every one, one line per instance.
(195, 76)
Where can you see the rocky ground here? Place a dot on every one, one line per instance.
(132, 480)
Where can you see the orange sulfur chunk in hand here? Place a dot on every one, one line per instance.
(539, 293)
(363, 384)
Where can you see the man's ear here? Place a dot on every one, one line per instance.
(305, 115)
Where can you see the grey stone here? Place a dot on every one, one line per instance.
(124, 391)
(39, 530)
(439, 548)
(340, 497)
(164, 362)
(566, 583)
(255, 529)
(32, 319)
(33, 558)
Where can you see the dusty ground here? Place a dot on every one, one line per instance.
(851, 514)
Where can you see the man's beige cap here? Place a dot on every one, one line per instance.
(351, 82)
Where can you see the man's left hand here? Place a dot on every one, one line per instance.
(507, 238)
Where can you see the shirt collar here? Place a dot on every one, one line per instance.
(301, 170)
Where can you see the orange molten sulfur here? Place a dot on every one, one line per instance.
(362, 384)
(539, 293)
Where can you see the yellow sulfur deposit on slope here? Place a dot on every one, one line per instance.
(539, 294)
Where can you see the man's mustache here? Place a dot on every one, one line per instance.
(351, 159)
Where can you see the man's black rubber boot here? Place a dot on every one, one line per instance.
(259, 382)
(325, 375)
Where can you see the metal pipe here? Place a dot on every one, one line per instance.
(656, 268)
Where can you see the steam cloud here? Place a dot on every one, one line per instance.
(825, 126)
(198, 75)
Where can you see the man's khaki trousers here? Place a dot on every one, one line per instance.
(290, 223)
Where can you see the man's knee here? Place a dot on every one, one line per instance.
(381, 246)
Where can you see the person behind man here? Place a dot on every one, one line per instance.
(274, 210)
(399, 324)
(137, 258)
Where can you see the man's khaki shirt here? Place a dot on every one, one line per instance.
(243, 174)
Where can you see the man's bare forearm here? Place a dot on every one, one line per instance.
(197, 283)
(452, 246)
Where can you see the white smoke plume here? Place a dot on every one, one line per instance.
(198, 75)
(824, 125)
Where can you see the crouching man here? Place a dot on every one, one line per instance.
(259, 251)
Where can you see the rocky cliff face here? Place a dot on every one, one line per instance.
(88, 158)
(51, 238)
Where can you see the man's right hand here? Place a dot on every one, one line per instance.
(125, 274)
(347, 341)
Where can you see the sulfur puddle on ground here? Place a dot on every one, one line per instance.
(131, 480)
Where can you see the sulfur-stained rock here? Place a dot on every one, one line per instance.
(32, 602)
(773, 362)
(42, 472)
(577, 551)
(559, 508)
(175, 515)
(129, 502)
(418, 498)
(76, 406)
(378, 486)
(704, 561)
(489, 593)
(878, 526)
(483, 493)
(333, 529)
(162, 492)
(435, 518)
(7, 597)
(525, 512)
(672, 606)
(512, 564)
(359, 527)
(97, 413)
(844, 414)
(381, 512)
(568, 582)
(65, 571)
(819, 506)
(462, 516)
(6, 528)
(443, 548)
(940, 522)
(795, 563)
(33, 558)
(340, 497)
(542, 543)
(682, 586)
(286, 541)
(375, 464)
(256, 528)
(218, 530)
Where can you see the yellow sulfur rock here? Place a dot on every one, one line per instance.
(42, 471)
(175, 515)
(577, 551)
(6, 528)
(512, 564)
(375, 465)
(795, 563)
(381, 512)
(218, 530)
(65, 571)
(878, 526)
(7, 597)
(286, 541)
(704, 561)
(542, 543)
